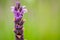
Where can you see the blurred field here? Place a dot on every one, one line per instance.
(42, 20)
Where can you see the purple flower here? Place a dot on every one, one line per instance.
(18, 10)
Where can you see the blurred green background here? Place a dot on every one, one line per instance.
(42, 20)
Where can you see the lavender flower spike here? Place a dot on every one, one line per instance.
(19, 11)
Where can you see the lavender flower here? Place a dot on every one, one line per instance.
(18, 11)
